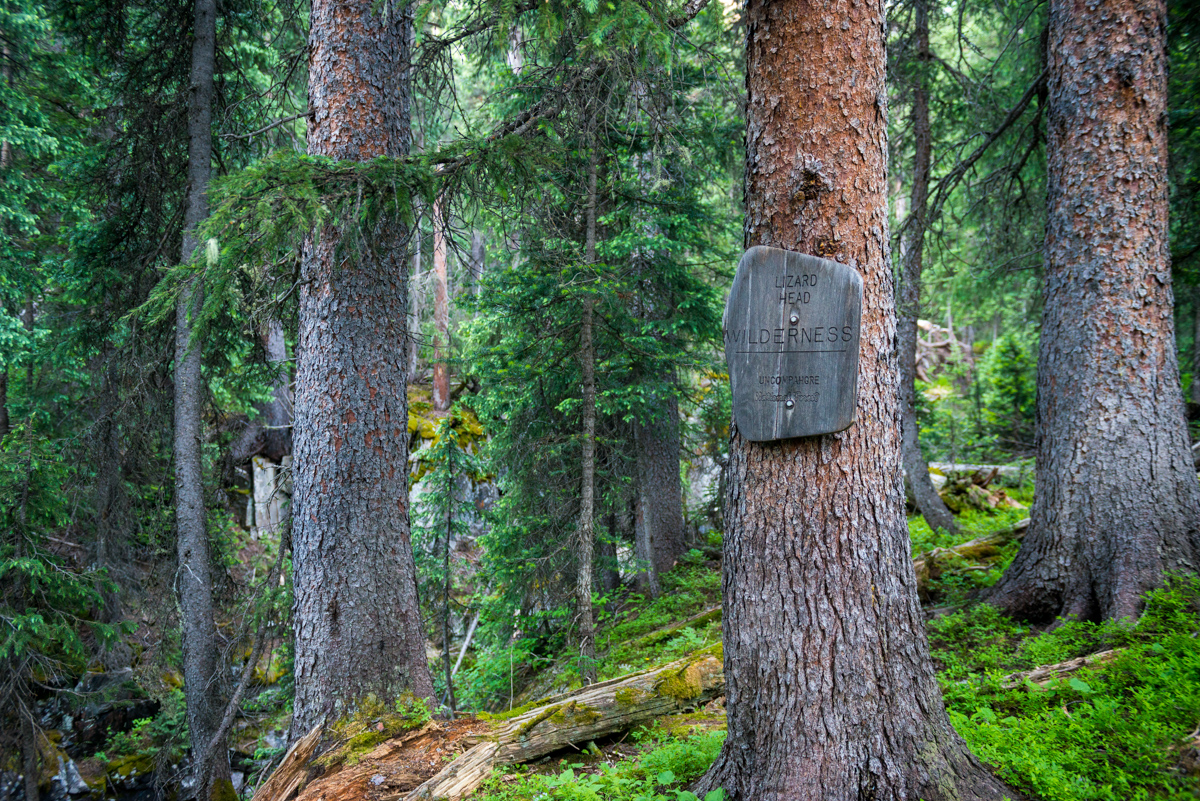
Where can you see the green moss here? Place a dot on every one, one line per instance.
(528, 725)
(509, 714)
(575, 713)
(129, 767)
(369, 725)
(683, 685)
(223, 791)
(630, 696)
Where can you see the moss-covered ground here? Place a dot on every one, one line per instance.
(1127, 729)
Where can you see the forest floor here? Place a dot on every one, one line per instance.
(1124, 727)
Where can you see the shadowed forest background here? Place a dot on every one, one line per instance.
(364, 411)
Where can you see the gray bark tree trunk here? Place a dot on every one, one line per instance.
(831, 693)
(202, 673)
(909, 307)
(29, 747)
(1116, 503)
(357, 623)
(660, 489)
(586, 538)
(1195, 346)
(645, 580)
(607, 575)
(477, 265)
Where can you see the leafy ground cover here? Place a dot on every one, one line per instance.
(660, 772)
(1126, 730)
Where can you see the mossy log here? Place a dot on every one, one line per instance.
(932, 564)
(587, 714)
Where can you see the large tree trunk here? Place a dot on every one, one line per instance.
(202, 674)
(586, 537)
(1116, 501)
(909, 308)
(357, 624)
(660, 490)
(831, 691)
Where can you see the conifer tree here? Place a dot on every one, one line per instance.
(831, 692)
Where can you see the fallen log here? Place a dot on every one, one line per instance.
(587, 714)
(1006, 470)
(658, 635)
(1041, 676)
(931, 565)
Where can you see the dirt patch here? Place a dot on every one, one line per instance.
(397, 766)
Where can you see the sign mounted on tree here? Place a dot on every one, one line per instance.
(791, 342)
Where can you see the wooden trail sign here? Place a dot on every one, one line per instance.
(791, 342)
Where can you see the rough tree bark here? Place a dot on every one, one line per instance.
(1117, 500)
(441, 313)
(607, 575)
(909, 306)
(357, 624)
(660, 490)
(645, 580)
(586, 538)
(202, 674)
(831, 692)
(1195, 347)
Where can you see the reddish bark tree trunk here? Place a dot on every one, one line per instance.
(831, 691)
(414, 304)
(909, 306)
(1117, 500)
(357, 624)
(441, 314)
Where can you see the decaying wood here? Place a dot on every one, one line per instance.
(1045, 674)
(932, 564)
(289, 777)
(1006, 470)
(596, 711)
(460, 777)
